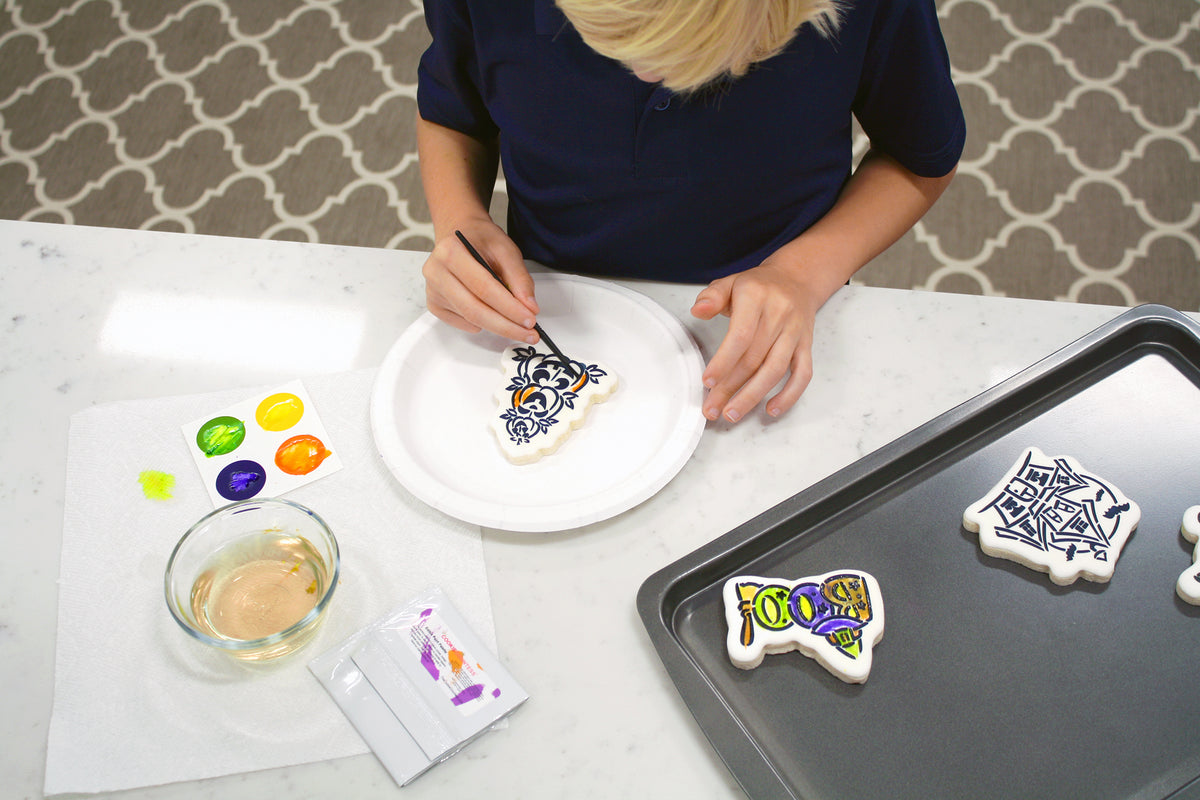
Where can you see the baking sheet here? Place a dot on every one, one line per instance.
(990, 681)
(433, 401)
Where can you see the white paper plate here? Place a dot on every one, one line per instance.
(433, 399)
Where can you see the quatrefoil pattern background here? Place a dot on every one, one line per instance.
(292, 119)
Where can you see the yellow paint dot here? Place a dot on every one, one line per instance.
(279, 411)
(156, 485)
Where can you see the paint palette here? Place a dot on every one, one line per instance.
(266, 445)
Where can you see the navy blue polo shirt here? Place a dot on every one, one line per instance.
(610, 175)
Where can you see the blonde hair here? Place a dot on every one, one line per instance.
(692, 43)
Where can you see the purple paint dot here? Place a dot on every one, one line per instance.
(241, 480)
(468, 694)
(427, 661)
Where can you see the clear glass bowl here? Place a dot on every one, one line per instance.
(254, 579)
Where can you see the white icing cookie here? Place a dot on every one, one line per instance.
(836, 618)
(541, 403)
(1051, 515)
(1188, 585)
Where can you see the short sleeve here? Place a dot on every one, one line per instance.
(906, 101)
(448, 75)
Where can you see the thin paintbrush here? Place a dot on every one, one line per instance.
(566, 362)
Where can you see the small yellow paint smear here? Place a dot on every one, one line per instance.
(156, 485)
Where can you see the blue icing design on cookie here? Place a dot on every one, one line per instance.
(1052, 515)
(542, 402)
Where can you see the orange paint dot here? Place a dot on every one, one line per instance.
(456, 660)
(301, 454)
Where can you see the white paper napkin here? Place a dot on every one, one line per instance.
(136, 701)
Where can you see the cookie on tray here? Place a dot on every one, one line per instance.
(1188, 585)
(835, 618)
(1054, 516)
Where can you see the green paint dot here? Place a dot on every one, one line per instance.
(220, 435)
(156, 485)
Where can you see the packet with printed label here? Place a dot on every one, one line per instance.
(418, 684)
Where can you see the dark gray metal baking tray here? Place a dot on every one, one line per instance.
(990, 681)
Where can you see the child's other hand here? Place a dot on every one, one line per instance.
(771, 313)
(461, 293)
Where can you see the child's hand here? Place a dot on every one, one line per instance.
(770, 334)
(460, 292)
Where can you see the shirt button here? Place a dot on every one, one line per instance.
(663, 104)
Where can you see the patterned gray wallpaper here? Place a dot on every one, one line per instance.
(292, 119)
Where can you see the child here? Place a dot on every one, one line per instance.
(699, 141)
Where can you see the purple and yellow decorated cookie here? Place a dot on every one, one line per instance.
(542, 403)
(835, 618)
(1052, 515)
(1188, 585)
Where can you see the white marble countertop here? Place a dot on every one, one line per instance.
(604, 719)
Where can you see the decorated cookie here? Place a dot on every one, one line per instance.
(1051, 515)
(836, 618)
(541, 403)
(1188, 585)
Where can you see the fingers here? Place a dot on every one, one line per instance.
(768, 339)
(472, 310)
(746, 387)
(713, 300)
(735, 393)
(505, 259)
(517, 278)
(797, 383)
(463, 294)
